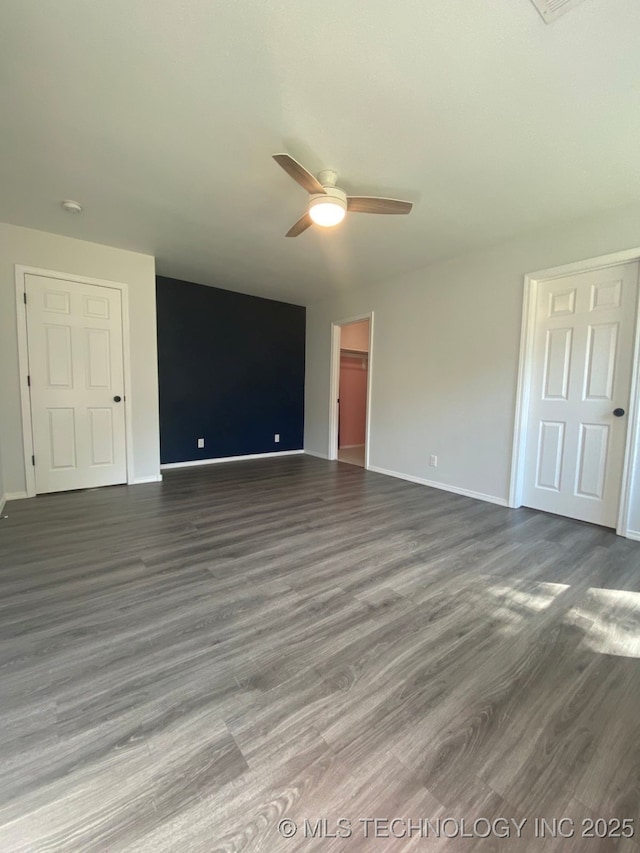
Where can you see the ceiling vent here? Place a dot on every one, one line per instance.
(552, 9)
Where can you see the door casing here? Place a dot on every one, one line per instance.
(23, 363)
(525, 371)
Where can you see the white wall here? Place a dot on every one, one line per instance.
(77, 257)
(445, 356)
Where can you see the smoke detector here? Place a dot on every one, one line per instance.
(552, 9)
(71, 206)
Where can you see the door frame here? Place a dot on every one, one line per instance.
(525, 373)
(334, 385)
(23, 363)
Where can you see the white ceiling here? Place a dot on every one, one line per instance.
(160, 117)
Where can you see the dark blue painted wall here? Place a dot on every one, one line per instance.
(231, 371)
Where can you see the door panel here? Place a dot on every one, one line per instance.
(562, 302)
(557, 362)
(550, 447)
(583, 347)
(58, 357)
(592, 453)
(74, 333)
(101, 436)
(601, 361)
(62, 438)
(98, 358)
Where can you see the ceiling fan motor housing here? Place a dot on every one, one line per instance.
(331, 194)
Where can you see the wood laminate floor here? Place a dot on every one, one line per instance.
(185, 664)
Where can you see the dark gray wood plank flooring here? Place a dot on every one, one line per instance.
(185, 664)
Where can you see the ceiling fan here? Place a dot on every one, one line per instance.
(327, 203)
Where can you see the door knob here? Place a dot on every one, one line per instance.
(117, 398)
(618, 412)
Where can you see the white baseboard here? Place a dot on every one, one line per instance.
(192, 463)
(317, 455)
(15, 496)
(633, 534)
(139, 481)
(467, 493)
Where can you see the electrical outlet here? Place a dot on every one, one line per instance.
(433, 460)
(276, 437)
(201, 442)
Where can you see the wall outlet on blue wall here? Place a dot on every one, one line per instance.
(276, 437)
(201, 442)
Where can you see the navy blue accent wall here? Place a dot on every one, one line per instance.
(231, 371)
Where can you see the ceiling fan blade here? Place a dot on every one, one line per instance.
(301, 225)
(298, 172)
(372, 204)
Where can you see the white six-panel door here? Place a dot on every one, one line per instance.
(74, 334)
(581, 373)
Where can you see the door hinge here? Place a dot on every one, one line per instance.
(33, 460)
(29, 381)
(25, 297)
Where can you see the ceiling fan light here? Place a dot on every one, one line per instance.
(327, 211)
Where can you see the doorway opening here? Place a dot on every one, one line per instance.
(351, 375)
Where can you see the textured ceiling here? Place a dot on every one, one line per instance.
(160, 117)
